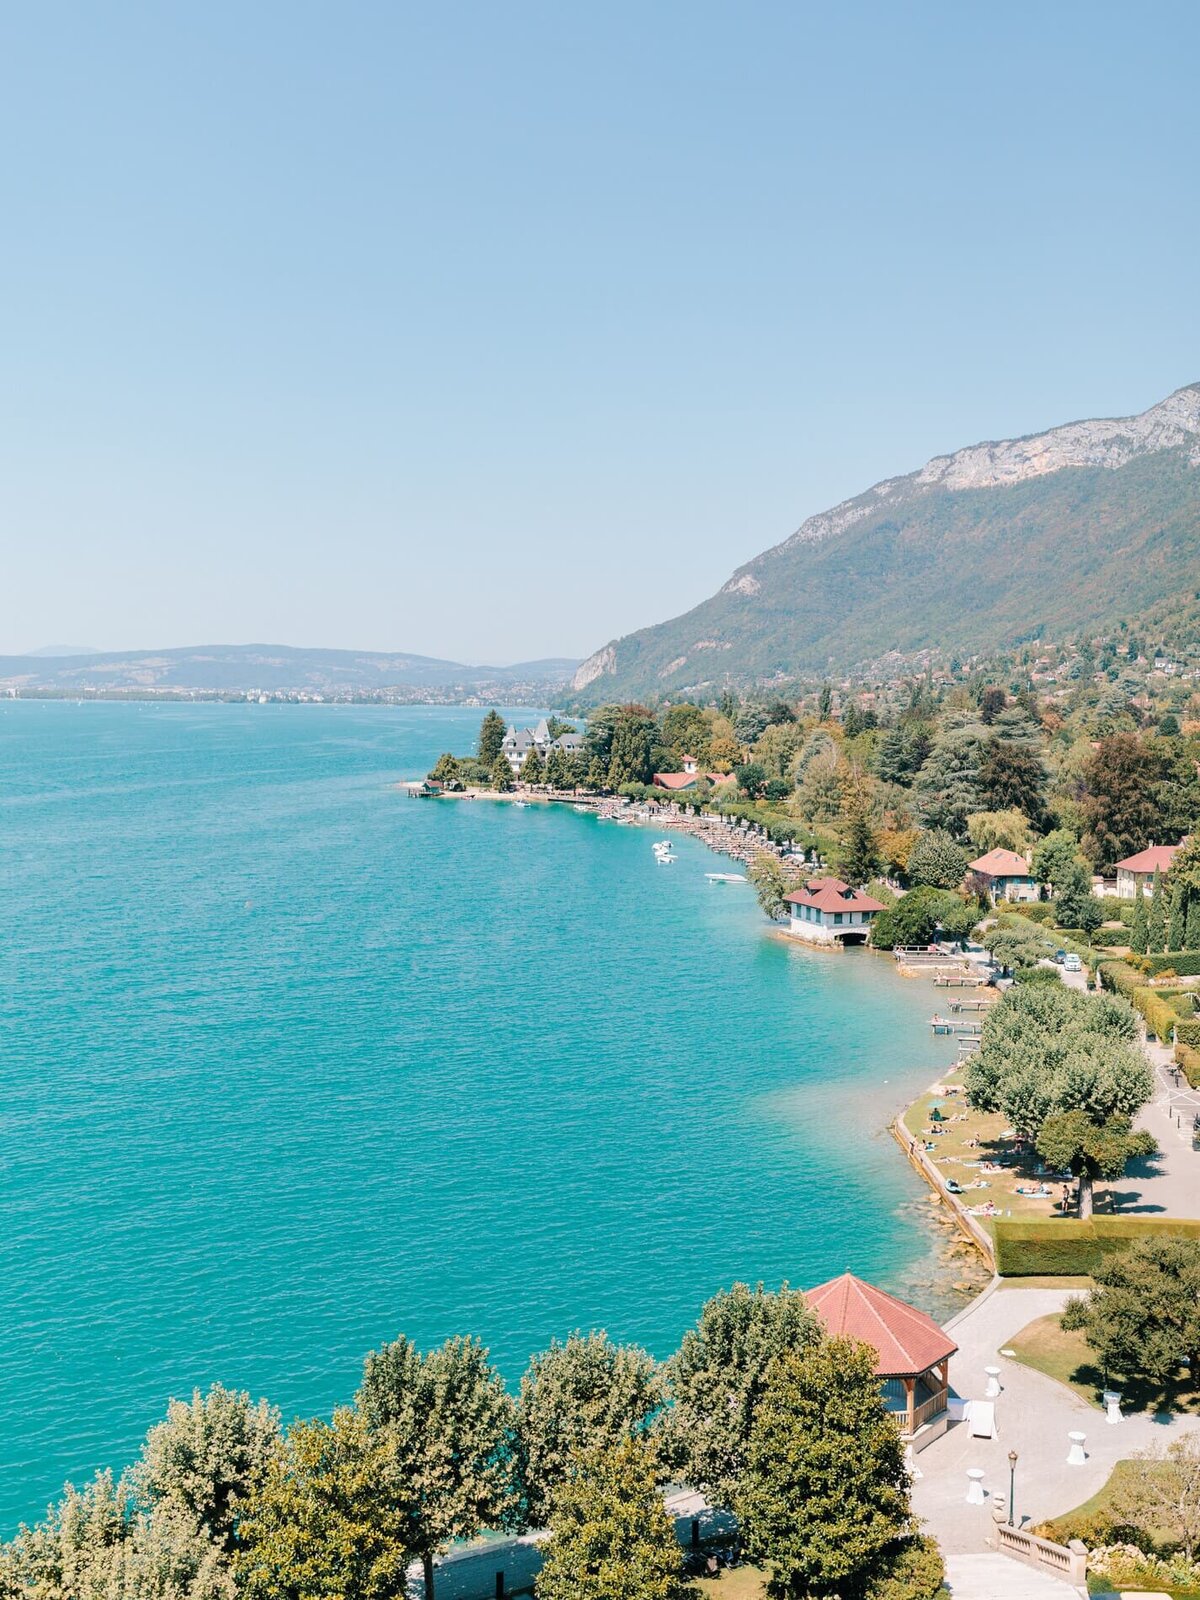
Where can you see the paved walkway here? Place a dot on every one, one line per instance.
(1034, 1414)
(996, 1577)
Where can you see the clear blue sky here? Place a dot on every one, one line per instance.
(494, 330)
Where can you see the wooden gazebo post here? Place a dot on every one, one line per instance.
(910, 1396)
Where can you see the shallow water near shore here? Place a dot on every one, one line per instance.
(292, 1064)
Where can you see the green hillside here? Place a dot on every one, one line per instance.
(960, 570)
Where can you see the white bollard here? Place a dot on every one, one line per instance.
(1075, 1455)
(1112, 1407)
(975, 1494)
(993, 1383)
(910, 1464)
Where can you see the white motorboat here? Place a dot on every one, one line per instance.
(725, 877)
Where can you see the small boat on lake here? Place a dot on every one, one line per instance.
(725, 877)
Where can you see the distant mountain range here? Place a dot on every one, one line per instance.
(979, 550)
(270, 668)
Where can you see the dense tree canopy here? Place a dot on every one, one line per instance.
(825, 1495)
(1143, 1316)
(718, 1375)
(611, 1537)
(579, 1398)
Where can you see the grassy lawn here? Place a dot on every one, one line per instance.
(734, 1583)
(967, 1142)
(1046, 1347)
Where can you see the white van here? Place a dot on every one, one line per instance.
(1072, 963)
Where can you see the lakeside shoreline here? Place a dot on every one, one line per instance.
(948, 1227)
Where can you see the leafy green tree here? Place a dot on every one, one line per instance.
(446, 769)
(1046, 1049)
(558, 770)
(1143, 1315)
(912, 1569)
(331, 1520)
(634, 736)
(901, 751)
(1139, 932)
(992, 701)
(1054, 857)
(751, 779)
(935, 861)
(825, 703)
(915, 917)
(771, 886)
(821, 793)
(778, 790)
(1012, 776)
(1120, 802)
(207, 1457)
(556, 727)
(998, 830)
(860, 859)
(1160, 1488)
(1156, 922)
(1076, 904)
(1192, 922)
(685, 731)
(610, 1535)
(501, 774)
(532, 770)
(947, 788)
(718, 1376)
(1177, 918)
(1072, 1142)
(78, 1552)
(491, 738)
(446, 1423)
(576, 1399)
(597, 774)
(825, 1495)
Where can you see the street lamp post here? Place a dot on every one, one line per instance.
(1012, 1485)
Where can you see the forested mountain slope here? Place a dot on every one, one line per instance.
(976, 551)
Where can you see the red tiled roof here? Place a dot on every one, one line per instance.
(674, 780)
(1001, 864)
(906, 1341)
(1157, 858)
(831, 894)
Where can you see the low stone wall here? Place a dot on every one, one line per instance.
(969, 1225)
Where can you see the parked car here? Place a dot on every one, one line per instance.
(1060, 956)
(1072, 963)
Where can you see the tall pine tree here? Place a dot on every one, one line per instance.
(1156, 926)
(1139, 932)
(491, 738)
(1177, 920)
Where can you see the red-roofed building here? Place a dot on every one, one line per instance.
(1137, 872)
(675, 780)
(1008, 876)
(913, 1352)
(828, 911)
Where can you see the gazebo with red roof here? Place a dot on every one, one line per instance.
(913, 1351)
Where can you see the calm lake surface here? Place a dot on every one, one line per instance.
(290, 1063)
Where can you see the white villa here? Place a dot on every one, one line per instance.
(1137, 872)
(518, 742)
(828, 911)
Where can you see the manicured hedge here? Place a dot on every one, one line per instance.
(1185, 962)
(1187, 1059)
(1063, 1247)
(1119, 977)
(1038, 911)
(1160, 1017)
(1111, 938)
(1187, 1031)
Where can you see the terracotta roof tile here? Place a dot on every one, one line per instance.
(906, 1341)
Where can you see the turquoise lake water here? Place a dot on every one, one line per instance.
(290, 1064)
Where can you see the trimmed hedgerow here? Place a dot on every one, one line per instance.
(1187, 1031)
(1187, 1059)
(1186, 963)
(1160, 1017)
(1063, 1247)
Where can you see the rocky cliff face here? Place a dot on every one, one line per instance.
(767, 620)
